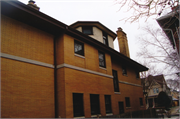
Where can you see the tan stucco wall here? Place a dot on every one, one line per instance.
(79, 29)
(98, 35)
(110, 40)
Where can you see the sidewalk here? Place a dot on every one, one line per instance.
(175, 112)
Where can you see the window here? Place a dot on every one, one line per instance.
(105, 39)
(121, 107)
(102, 59)
(124, 71)
(137, 75)
(78, 108)
(141, 101)
(115, 81)
(155, 90)
(87, 30)
(95, 107)
(127, 102)
(78, 48)
(108, 103)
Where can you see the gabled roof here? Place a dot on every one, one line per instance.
(94, 23)
(159, 79)
(24, 13)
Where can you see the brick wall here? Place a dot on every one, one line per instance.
(27, 90)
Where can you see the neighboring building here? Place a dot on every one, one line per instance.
(170, 25)
(175, 97)
(153, 86)
(49, 69)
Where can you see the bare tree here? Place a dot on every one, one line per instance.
(157, 51)
(145, 8)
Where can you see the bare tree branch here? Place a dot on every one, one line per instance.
(145, 8)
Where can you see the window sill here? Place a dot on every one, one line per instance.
(80, 117)
(102, 68)
(117, 93)
(79, 56)
(128, 107)
(109, 114)
(96, 115)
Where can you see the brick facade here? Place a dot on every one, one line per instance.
(40, 72)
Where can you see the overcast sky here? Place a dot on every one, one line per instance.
(104, 11)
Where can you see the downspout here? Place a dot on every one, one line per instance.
(55, 74)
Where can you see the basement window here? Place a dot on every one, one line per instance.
(87, 30)
(78, 48)
(108, 104)
(78, 107)
(95, 107)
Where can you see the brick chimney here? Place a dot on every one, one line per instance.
(31, 4)
(123, 43)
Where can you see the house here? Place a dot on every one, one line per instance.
(175, 97)
(50, 69)
(170, 25)
(153, 86)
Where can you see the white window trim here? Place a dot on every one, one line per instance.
(79, 55)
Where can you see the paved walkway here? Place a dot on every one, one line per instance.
(175, 113)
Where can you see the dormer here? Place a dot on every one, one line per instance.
(97, 31)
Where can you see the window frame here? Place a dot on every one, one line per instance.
(137, 75)
(127, 100)
(108, 104)
(94, 105)
(104, 59)
(78, 109)
(105, 38)
(115, 81)
(157, 90)
(124, 70)
(90, 28)
(76, 42)
(141, 101)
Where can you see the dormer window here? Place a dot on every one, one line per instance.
(87, 30)
(105, 39)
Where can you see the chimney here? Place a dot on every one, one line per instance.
(31, 4)
(123, 43)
